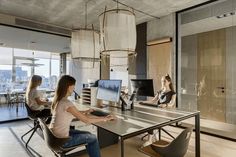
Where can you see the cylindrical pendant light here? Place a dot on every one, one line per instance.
(85, 44)
(118, 36)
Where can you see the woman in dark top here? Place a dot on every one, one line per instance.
(164, 98)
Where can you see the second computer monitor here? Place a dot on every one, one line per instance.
(143, 87)
(109, 90)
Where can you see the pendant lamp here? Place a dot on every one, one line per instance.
(85, 44)
(118, 37)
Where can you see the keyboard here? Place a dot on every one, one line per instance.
(148, 104)
(99, 113)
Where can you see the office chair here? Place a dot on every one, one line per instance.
(176, 148)
(55, 143)
(32, 115)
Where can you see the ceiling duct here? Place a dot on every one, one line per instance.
(40, 26)
(28, 24)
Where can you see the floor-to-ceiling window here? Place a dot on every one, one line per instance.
(16, 68)
(206, 55)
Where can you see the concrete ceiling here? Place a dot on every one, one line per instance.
(71, 13)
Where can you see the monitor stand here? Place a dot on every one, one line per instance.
(128, 105)
(100, 104)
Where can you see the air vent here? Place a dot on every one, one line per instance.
(42, 27)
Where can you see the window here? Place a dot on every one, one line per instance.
(18, 65)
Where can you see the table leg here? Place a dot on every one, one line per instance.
(121, 147)
(197, 136)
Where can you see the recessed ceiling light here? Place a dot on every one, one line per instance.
(226, 15)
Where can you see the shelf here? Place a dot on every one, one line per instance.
(88, 95)
(86, 99)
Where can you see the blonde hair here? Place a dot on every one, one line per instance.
(35, 81)
(61, 90)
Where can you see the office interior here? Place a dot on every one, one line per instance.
(191, 40)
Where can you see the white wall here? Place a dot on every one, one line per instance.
(82, 71)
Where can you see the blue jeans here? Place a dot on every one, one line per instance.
(84, 137)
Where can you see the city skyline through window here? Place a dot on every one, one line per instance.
(18, 65)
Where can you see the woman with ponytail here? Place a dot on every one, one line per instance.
(64, 111)
(165, 97)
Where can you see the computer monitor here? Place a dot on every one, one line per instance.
(143, 87)
(109, 90)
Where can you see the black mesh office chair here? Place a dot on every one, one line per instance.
(176, 148)
(33, 116)
(55, 143)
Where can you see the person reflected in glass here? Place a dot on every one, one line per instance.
(34, 99)
(64, 111)
(165, 98)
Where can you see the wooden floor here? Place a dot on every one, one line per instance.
(214, 127)
(12, 146)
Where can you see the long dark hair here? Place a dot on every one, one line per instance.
(62, 88)
(167, 77)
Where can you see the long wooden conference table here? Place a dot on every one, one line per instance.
(141, 119)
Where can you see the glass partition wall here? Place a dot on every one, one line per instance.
(207, 61)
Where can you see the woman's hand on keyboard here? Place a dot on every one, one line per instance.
(163, 105)
(88, 111)
(110, 117)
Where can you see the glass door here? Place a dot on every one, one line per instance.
(206, 54)
(211, 73)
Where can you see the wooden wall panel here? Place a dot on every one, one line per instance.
(159, 62)
(211, 74)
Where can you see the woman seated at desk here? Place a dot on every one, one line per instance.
(164, 98)
(33, 99)
(63, 111)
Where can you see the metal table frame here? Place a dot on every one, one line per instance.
(197, 132)
(185, 115)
